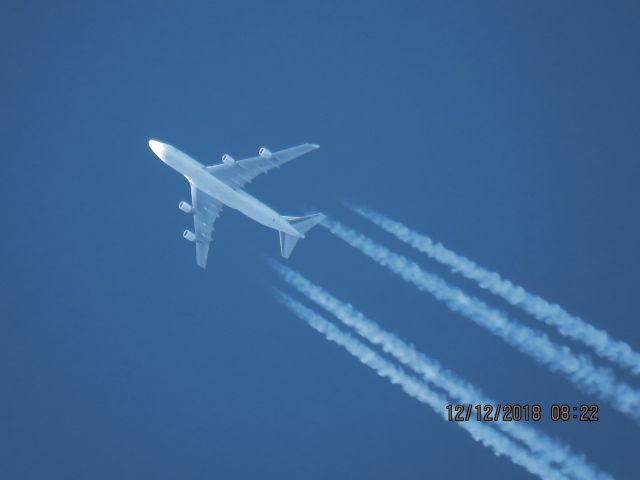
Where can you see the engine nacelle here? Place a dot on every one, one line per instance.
(185, 207)
(228, 159)
(189, 235)
(265, 153)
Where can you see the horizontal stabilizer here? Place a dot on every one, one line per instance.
(302, 225)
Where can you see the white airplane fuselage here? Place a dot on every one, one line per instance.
(237, 199)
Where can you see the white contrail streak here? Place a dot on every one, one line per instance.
(431, 371)
(489, 437)
(568, 325)
(578, 369)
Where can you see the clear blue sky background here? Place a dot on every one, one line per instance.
(509, 131)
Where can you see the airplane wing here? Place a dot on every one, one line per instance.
(207, 210)
(241, 172)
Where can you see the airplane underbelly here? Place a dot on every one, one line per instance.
(219, 191)
(259, 212)
(244, 203)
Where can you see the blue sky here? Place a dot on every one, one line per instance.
(507, 131)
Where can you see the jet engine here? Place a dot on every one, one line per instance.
(189, 235)
(228, 159)
(265, 153)
(185, 207)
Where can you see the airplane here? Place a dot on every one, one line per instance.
(214, 186)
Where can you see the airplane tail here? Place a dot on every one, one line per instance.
(302, 225)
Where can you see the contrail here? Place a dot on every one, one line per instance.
(568, 325)
(432, 372)
(578, 369)
(489, 437)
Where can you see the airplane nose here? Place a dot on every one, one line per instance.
(158, 148)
